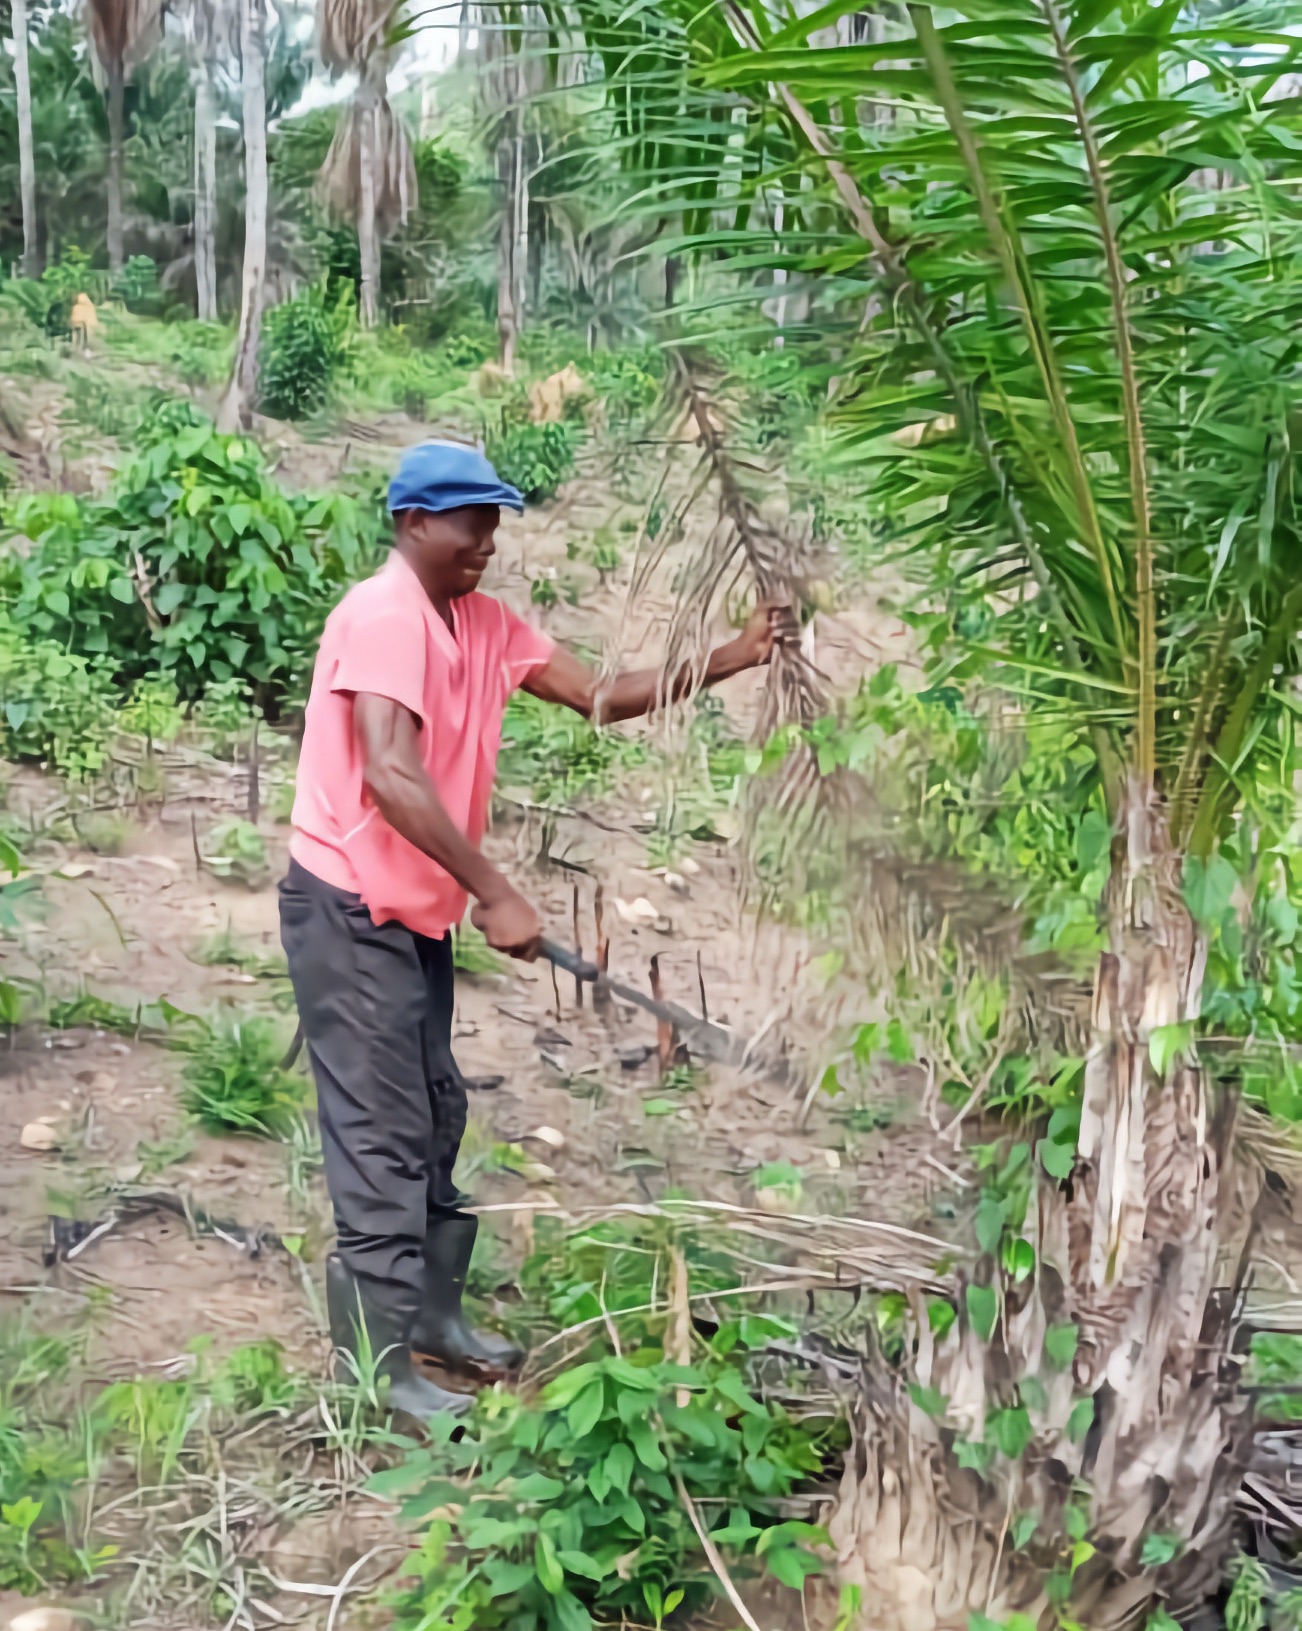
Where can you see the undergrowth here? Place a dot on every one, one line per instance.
(581, 1503)
(234, 1082)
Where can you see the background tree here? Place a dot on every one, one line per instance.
(212, 28)
(369, 175)
(122, 32)
(240, 395)
(26, 145)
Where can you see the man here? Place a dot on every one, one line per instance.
(394, 781)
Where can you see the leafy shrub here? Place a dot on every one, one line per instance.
(304, 344)
(41, 1466)
(557, 755)
(234, 1082)
(198, 564)
(199, 352)
(56, 707)
(48, 301)
(236, 850)
(471, 345)
(572, 1509)
(535, 458)
(628, 381)
(136, 286)
(575, 1513)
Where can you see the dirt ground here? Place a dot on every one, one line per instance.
(135, 927)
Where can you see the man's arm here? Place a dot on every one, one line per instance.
(404, 795)
(566, 680)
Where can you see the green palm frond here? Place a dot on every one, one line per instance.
(1054, 248)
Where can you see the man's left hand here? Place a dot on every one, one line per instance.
(770, 623)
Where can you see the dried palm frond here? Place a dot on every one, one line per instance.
(338, 186)
(123, 32)
(775, 558)
(350, 33)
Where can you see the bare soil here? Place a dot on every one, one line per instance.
(133, 927)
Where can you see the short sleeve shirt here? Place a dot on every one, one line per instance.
(386, 638)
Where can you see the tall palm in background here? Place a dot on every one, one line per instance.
(506, 50)
(212, 28)
(1064, 274)
(240, 396)
(26, 145)
(122, 32)
(369, 174)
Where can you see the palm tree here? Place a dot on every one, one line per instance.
(1072, 396)
(242, 390)
(213, 29)
(26, 149)
(122, 33)
(502, 45)
(369, 174)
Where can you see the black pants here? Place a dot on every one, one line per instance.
(376, 1008)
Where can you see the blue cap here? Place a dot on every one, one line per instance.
(439, 476)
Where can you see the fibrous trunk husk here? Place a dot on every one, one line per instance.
(1131, 1250)
(339, 184)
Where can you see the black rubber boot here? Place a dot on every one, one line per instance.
(441, 1332)
(352, 1304)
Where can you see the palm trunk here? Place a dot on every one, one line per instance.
(116, 119)
(368, 238)
(241, 394)
(26, 149)
(512, 238)
(1143, 1414)
(205, 192)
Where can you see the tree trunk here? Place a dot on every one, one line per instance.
(241, 393)
(368, 237)
(205, 192)
(512, 235)
(508, 311)
(26, 150)
(116, 119)
(1116, 1349)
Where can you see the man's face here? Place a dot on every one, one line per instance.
(453, 549)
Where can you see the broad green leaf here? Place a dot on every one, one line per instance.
(1060, 1345)
(547, 1565)
(1167, 1043)
(983, 1310)
(537, 1486)
(1209, 887)
(585, 1411)
(991, 1217)
(928, 1400)
(1081, 1420)
(583, 1564)
(1010, 1431)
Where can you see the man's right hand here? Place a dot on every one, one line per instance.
(509, 923)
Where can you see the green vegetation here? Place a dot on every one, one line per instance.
(234, 1082)
(198, 566)
(304, 346)
(580, 1505)
(534, 458)
(557, 756)
(996, 305)
(56, 1466)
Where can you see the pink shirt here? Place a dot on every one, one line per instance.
(385, 637)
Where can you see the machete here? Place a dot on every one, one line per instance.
(702, 1036)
